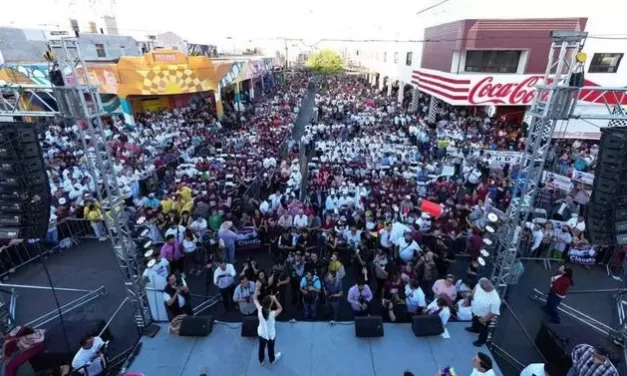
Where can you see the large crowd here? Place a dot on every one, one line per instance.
(371, 211)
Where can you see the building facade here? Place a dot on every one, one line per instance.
(19, 46)
(497, 62)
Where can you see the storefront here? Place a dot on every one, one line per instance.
(508, 96)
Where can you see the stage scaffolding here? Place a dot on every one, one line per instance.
(556, 100)
(79, 104)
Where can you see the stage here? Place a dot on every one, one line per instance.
(309, 348)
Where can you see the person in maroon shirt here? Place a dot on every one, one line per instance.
(560, 283)
(393, 289)
(475, 242)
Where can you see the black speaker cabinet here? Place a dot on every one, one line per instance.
(196, 326)
(368, 327)
(249, 326)
(427, 325)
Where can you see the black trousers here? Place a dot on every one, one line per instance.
(227, 298)
(262, 349)
(480, 328)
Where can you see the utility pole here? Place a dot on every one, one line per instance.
(287, 64)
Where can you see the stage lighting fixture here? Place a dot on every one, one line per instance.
(487, 241)
(151, 263)
(484, 253)
(490, 229)
(493, 218)
(149, 253)
(143, 231)
(481, 261)
(143, 243)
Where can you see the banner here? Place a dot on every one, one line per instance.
(583, 177)
(556, 181)
(498, 158)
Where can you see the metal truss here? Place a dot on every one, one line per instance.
(554, 101)
(15, 100)
(79, 102)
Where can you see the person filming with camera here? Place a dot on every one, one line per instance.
(359, 297)
(243, 296)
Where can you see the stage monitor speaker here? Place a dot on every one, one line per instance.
(427, 325)
(24, 187)
(368, 326)
(249, 326)
(196, 326)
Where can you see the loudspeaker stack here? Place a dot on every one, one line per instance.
(24, 187)
(607, 211)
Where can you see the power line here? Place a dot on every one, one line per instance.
(431, 7)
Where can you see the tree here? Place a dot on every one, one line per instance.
(325, 62)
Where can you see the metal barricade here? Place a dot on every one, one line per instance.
(69, 233)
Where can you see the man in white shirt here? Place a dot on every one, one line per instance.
(482, 365)
(199, 227)
(224, 278)
(538, 369)
(485, 305)
(300, 220)
(178, 231)
(89, 359)
(407, 247)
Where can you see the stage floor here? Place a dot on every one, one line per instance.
(309, 348)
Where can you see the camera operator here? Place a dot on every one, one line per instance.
(359, 297)
(243, 296)
(89, 360)
(310, 289)
(176, 297)
(315, 265)
(296, 265)
(333, 292)
(281, 278)
(250, 269)
(393, 299)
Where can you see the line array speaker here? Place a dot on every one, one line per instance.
(607, 211)
(24, 187)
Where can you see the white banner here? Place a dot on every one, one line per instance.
(583, 177)
(556, 181)
(498, 158)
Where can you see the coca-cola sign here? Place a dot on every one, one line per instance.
(486, 92)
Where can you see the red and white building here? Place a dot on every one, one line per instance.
(498, 63)
(485, 62)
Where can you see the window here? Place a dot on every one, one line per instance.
(395, 57)
(100, 50)
(605, 63)
(408, 59)
(385, 57)
(492, 61)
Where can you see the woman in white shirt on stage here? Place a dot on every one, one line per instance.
(266, 330)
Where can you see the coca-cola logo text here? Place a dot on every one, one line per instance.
(486, 92)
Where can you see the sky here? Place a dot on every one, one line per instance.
(257, 21)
